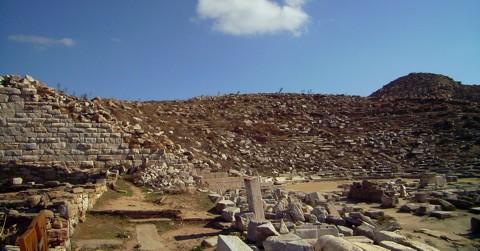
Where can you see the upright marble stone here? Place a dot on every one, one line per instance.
(254, 197)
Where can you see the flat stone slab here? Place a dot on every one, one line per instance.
(475, 210)
(98, 243)
(147, 237)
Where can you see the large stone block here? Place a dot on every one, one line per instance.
(231, 243)
(390, 245)
(332, 243)
(388, 236)
(228, 214)
(278, 243)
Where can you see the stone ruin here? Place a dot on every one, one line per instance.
(292, 220)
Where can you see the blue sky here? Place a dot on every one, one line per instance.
(171, 49)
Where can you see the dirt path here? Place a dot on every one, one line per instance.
(135, 202)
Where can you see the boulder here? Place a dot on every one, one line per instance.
(231, 243)
(332, 243)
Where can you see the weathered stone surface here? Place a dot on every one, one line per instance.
(277, 243)
(332, 243)
(228, 214)
(210, 242)
(224, 204)
(231, 243)
(418, 245)
(388, 236)
(475, 224)
(262, 232)
(364, 230)
(390, 245)
(242, 220)
(446, 206)
(300, 245)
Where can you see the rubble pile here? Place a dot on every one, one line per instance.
(323, 221)
(326, 136)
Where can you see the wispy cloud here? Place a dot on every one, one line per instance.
(41, 41)
(115, 40)
(255, 17)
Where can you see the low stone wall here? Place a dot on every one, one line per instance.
(65, 204)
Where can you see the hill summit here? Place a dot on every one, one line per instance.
(427, 86)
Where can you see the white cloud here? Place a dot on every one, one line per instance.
(255, 17)
(42, 41)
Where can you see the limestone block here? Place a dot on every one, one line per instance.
(375, 214)
(279, 243)
(228, 214)
(364, 230)
(251, 229)
(315, 231)
(475, 224)
(369, 247)
(295, 210)
(446, 206)
(224, 204)
(242, 220)
(346, 231)
(10, 91)
(315, 198)
(17, 181)
(417, 245)
(300, 245)
(262, 232)
(388, 236)
(231, 243)
(395, 246)
(332, 243)
(210, 242)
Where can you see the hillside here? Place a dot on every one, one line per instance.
(428, 86)
(416, 123)
(328, 135)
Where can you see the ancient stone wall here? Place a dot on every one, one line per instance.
(35, 129)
